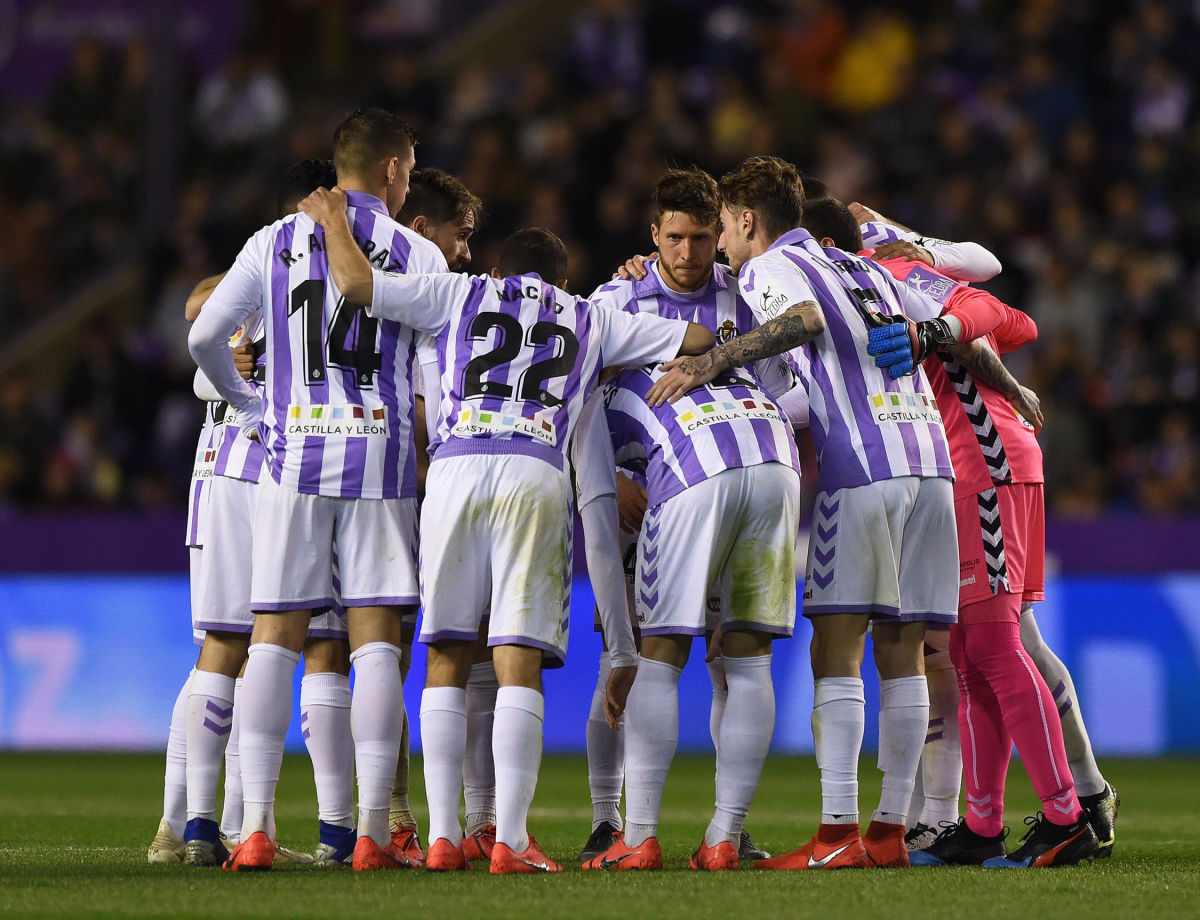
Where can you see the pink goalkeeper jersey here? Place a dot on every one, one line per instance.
(990, 443)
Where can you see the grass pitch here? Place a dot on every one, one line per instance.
(74, 831)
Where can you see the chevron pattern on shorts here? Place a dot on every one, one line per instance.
(977, 414)
(648, 586)
(992, 532)
(824, 544)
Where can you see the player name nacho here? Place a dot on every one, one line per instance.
(473, 421)
(889, 408)
(727, 411)
(337, 421)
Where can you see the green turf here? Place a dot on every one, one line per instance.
(74, 831)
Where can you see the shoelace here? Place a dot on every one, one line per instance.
(1033, 822)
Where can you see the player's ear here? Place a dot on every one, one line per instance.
(496, 272)
(561, 284)
(654, 234)
(420, 222)
(392, 167)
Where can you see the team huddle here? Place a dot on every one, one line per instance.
(386, 433)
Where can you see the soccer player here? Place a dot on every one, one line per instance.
(723, 487)
(942, 762)
(443, 210)
(683, 282)
(167, 847)
(883, 550)
(517, 358)
(335, 419)
(999, 514)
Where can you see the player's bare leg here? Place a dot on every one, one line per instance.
(838, 723)
(743, 742)
(1097, 797)
(325, 725)
(210, 710)
(517, 752)
(377, 722)
(651, 737)
(444, 744)
(939, 779)
(903, 726)
(479, 771)
(266, 701)
(401, 820)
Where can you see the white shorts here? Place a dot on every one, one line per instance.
(296, 534)
(628, 545)
(225, 566)
(736, 531)
(195, 556)
(888, 549)
(496, 531)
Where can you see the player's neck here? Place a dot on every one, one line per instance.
(351, 184)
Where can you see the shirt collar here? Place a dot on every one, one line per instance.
(365, 200)
(797, 237)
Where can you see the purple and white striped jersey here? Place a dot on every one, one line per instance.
(337, 392)
(717, 306)
(202, 471)
(517, 357)
(239, 457)
(866, 426)
(729, 423)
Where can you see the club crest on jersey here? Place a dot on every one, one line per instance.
(337, 421)
(726, 331)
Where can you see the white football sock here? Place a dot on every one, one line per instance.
(838, 721)
(517, 749)
(1084, 770)
(266, 711)
(377, 721)
(605, 754)
(209, 720)
(940, 774)
(231, 807)
(903, 725)
(175, 773)
(443, 746)
(744, 741)
(651, 736)
(400, 813)
(720, 693)
(325, 724)
(479, 772)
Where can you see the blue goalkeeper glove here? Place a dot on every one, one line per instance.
(901, 345)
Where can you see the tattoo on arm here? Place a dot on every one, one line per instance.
(799, 324)
(985, 365)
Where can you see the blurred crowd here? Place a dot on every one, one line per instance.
(1061, 134)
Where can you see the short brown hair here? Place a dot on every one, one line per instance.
(367, 136)
(439, 197)
(534, 251)
(828, 217)
(768, 186)
(690, 191)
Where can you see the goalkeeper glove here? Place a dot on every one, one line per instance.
(901, 345)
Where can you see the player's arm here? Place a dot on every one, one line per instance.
(200, 293)
(235, 299)
(962, 261)
(985, 366)
(799, 323)
(594, 463)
